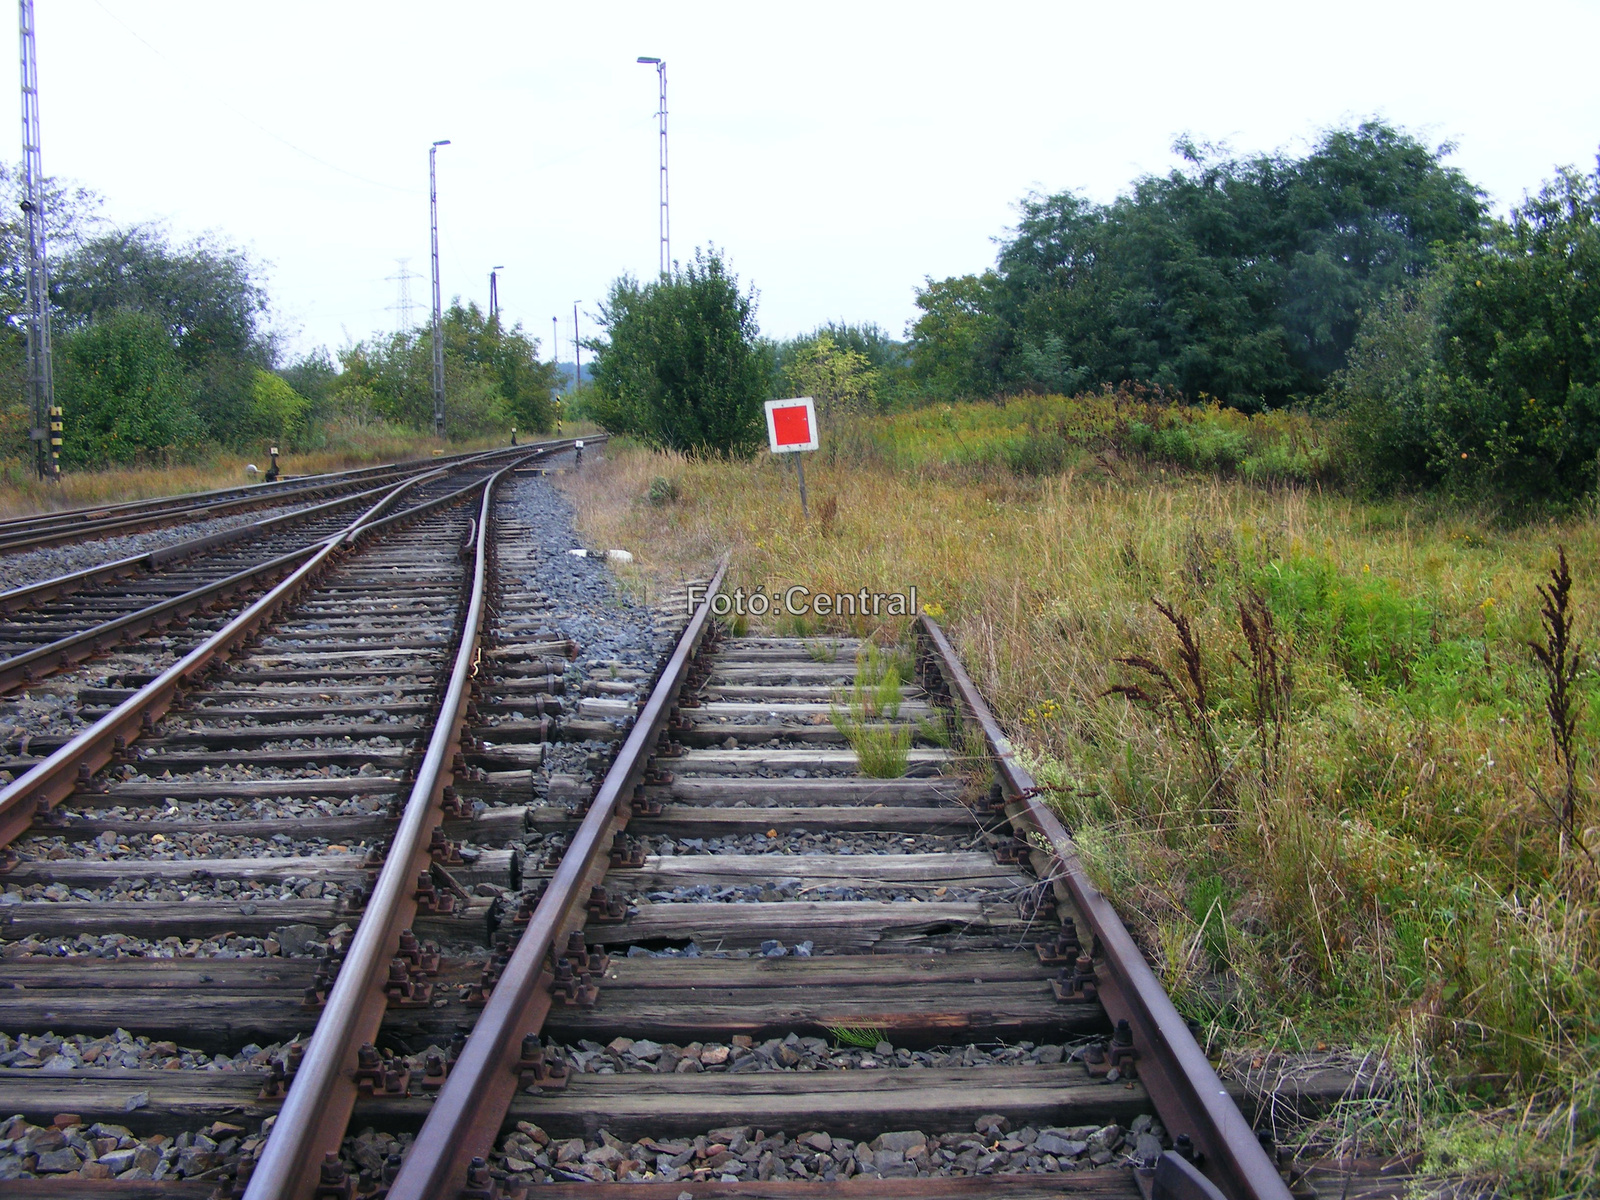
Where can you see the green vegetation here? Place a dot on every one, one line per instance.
(164, 355)
(679, 365)
(1485, 376)
(1241, 279)
(493, 378)
(869, 711)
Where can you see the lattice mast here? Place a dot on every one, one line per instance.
(46, 429)
(403, 306)
(438, 303)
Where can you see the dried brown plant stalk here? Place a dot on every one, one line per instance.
(1182, 696)
(1559, 656)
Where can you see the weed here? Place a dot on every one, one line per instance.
(822, 651)
(1559, 656)
(1182, 695)
(865, 1036)
(663, 491)
(828, 515)
(882, 749)
(1270, 673)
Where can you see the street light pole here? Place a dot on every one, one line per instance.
(660, 65)
(438, 303)
(494, 293)
(577, 350)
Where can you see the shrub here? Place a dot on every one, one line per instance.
(125, 393)
(1486, 375)
(681, 368)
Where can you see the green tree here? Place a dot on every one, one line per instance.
(1486, 375)
(1237, 278)
(679, 365)
(839, 379)
(953, 343)
(206, 294)
(493, 378)
(125, 393)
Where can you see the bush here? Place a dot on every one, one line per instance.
(125, 394)
(1486, 375)
(681, 368)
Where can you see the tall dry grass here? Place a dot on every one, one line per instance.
(1362, 856)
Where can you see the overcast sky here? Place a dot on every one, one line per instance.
(838, 152)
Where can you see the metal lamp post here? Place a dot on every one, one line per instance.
(438, 304)
(661, 115)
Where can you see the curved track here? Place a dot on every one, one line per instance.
(51, 625)
(76, 525)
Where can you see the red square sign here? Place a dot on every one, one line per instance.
(791, 425)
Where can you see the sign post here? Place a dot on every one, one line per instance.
(792, 429)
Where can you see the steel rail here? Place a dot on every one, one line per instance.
(97, 521)
(22, 669)
(465, 1118)
(1182, 1084)
(48, 589)
(323, 1092)
(58, 776)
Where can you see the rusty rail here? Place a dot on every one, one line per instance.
(466, 1117)
(312, 1122)
(97, 521)
(1185, 1090)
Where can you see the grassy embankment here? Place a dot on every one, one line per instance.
(1352, 835)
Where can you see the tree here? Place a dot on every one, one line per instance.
(493, 377)
(679, 365)
(953, 343)
(1485, 376)
(125, 393)
(205, 294)
(840, 380)
(1241, 279)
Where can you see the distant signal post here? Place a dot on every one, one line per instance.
(792, 429)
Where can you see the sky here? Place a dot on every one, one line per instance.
(838, 153)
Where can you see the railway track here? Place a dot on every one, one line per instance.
(443, 914)
(76, 525)
(54, 624)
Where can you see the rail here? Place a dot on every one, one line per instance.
(466, 1117)
(21, 534)
(1185, 1090)
(317, 1109)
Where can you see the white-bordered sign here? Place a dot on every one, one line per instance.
(791, 425)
